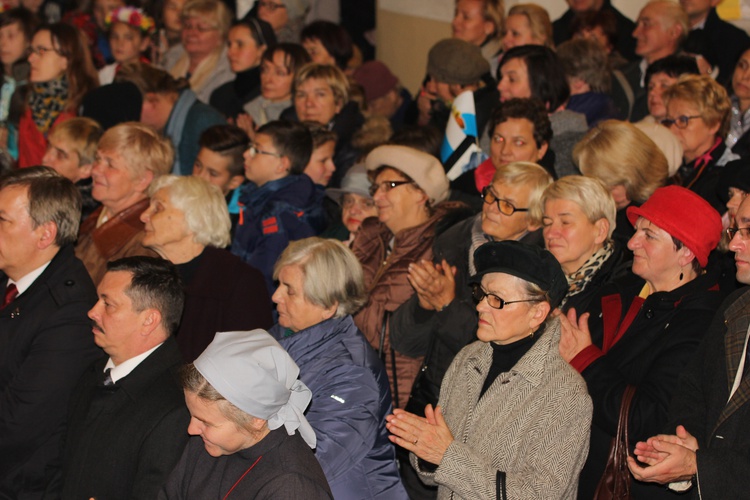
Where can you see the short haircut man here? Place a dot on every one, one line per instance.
(220, 158)
(710, 450)
(44, 332)
(128, 418)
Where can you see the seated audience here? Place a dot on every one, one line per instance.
(128, 158)
(247, 41)
(578, 221)
(320, 168)
(661, 75)
(698, 115)
(440, 318)
(321, 94)
(647, 325)
(320, 286)
(563, 27)
(738, 138)
(356, 204)
(170, 29)
(513, 417)
(71, 149)
(629, 164)
(201, 57)
(44, 331)
(327, 43)
(408, 187)
(384, 95)
(277, 69)
(171, 108)
(589, 79)
(286, 17)
(247, 414)
(481, 23)
(130, 31)
(126, 428)
(279, 204)
(220, 161)
(527, 24)
(61, 73)
(709, 410)
(533, 71)
(187, 224)
(601, 27)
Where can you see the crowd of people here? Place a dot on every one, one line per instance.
(239, 258)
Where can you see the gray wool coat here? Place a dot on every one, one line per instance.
(527, 437)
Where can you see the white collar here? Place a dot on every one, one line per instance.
(25, 282)
(127, 366)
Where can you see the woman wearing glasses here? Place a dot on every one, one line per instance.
(61, 74)
(643, 328)
(408, 187)
(698, 115)
(513, 418)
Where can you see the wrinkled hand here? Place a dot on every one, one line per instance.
(245, 122)
(434, 284)
(574, 334)
(667, 458)
(428, 437)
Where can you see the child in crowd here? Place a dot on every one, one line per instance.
(130, 31)
(320, 168)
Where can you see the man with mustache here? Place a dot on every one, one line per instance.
(45, 340)
(128, 415)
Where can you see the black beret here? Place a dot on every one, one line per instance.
(735, 174)
(530, 263)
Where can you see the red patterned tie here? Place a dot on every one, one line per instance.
(11, 292)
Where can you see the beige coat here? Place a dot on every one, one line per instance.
(530, 429)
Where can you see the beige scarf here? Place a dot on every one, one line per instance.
(202, 73)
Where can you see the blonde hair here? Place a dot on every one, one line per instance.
(210, 8)
(539, 21)
(82, 134)
(333, 76)
(142, 148)
(590, 194)
(204, 206)
(524, 172)
(333, 275)
(619, 153)
(711, 99)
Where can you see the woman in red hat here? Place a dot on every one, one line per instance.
(644, 328)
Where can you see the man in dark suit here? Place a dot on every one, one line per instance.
(720, 42)
(45, 337)
(709, 453)
(128, 420)
(625, 41)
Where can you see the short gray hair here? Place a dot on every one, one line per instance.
(332, 273)
(204, 206)
(589, 193)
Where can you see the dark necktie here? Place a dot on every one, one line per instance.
(108, 378)
(11, 292)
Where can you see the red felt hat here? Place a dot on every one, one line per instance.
(684, 215)
(376, 79)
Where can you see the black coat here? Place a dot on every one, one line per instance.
(650, 355)
(704, 180)
(222, 294)
(701, 404)
(625, 27)
(45, 345)
(123, 442)
(611, 270)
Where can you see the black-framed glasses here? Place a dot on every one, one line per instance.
(386, 186)
(504, 206)
(494, 301)
(680, 122)
(255, 150)
(271, 6)
(744, 232)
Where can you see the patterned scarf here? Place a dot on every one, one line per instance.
(578, 280)
(47, 100)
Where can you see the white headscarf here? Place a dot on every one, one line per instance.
(254, 373)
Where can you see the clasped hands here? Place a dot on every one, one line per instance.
(427, 437)
(435, 284)
(667, 458)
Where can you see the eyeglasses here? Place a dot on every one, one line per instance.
(680, 122)
(200, 28)
(493, 300)
(350, 201)
(41, 51)
(744, 232)
(271, 6)
(254, 151)
(387, 186)
(505, 207)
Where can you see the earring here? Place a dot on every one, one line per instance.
(682, 275)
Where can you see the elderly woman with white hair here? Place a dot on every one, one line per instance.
(222, 293)
(250, 436)
(320, 286)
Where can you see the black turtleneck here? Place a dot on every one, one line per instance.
(505, 357)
